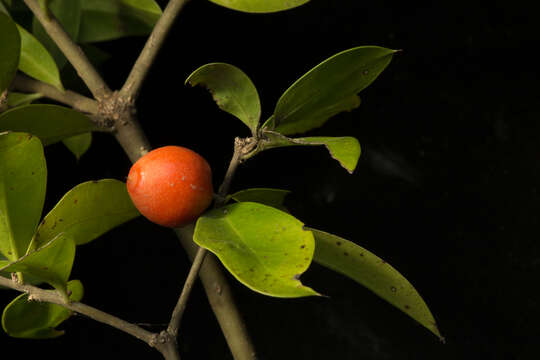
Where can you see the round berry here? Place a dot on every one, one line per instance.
(171, 185)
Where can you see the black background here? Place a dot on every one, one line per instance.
(446, 189)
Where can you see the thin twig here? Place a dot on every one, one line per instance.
(178, 311)
(75, 100)
(52, 296)
(73, 53)
(221, 299)
(231, 170)
(201, 252)
(148, 54)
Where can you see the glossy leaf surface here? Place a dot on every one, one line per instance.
(260, 6)
(232, 90)
(35, 60)
(68, 13)
(264, 248)
(11, 49)
(51, 262)
(104, 20)
(346, 150)
(377, 275)
(51, 123)
(87, 211)
(266, 196)
(38, 320)
(23, 177)
(78, 144)
(329, 88)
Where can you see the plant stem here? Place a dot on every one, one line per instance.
(52, 296)
(148, 54)
(71, 98)
(221, 299)
(178, 311)
(231, 170)
(216, 284)
(73, 53)
(201, 252)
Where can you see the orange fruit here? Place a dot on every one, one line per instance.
(171, 186)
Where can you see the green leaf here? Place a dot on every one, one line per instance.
(51, 262)
(17, 99)
(11, 50)
(23, 177)
(23, 318)
(78, 144)
(329, 88)
(264, 248)
(346, 150)
(232, 90)
(377, 275)
(260, 6)
(271, 197)
(68, 13)
(104, 20)
(87, 211)
(315, 119)
(36, 61)
(51, 123)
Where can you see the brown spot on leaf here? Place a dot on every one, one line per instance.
(302, 246)
(338, 243)
(345, 253)
(75, 201)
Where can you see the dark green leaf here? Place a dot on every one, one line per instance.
(68, 13)
(87, 211)
(36, 61)
(11, 50)
(104, 20)
(23, 177)
(260, 6)
(377, 275)
(346, 150)
(17, 99)
(23, 318)
(51, 123)
(264, 248)
(51, 262)
(270, 197)
(78, 144)
(232, 90)
(329, 88)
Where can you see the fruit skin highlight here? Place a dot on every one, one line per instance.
(171, 186)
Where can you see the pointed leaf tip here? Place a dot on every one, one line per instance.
(329, 88)
(377, 275)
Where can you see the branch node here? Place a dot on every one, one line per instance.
(116, 109)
